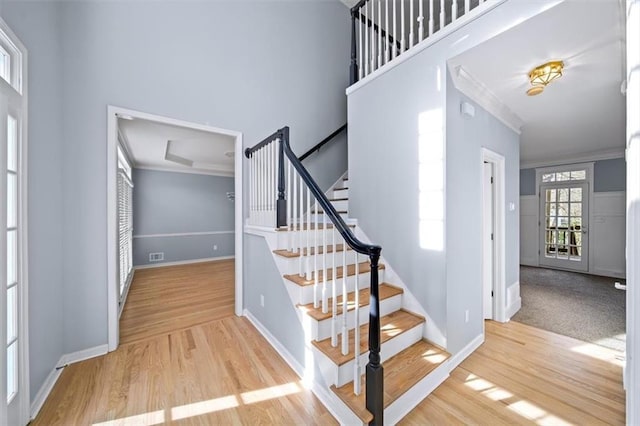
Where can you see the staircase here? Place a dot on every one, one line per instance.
(406, 356)
(366, 344)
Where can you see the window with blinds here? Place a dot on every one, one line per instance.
(125, 224)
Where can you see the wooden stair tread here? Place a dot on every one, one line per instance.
(401, 373)
(391, 325)
(363, 268)
(340, 189)
(306, 226)
(291, 254)
(337, 211)
(385, 291)
(339, 199)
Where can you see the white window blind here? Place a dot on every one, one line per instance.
(125, 228)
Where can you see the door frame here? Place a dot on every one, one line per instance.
(588, 166)
(488, 262)
(112, 245)
(499, 242)
(585, 206)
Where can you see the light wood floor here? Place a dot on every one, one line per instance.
(223, 372)
(162, 300)
(218, 372)
(524, 375)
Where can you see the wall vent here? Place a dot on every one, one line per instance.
(156, 257)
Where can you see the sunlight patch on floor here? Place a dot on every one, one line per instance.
(205, 407)
(600, 353)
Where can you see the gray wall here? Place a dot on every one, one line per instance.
(37, 26)
(465, 138)
(246, 66)
(608, 175)
(176, 203)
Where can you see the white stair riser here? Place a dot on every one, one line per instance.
(299, 238)
(322, 329)
(339, 193)
(338, 205)
(291, 265)
(320, 218)
(304, 294)
(340, 375)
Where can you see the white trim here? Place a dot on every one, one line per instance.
(45, 390)
(193, 171)
(183, 234)
(52, 378)
(182, 262)
(474, 344)
(73, 357)
(112, 141)
(499, 231)
(514, 307)
(632, 370)
(428, 42)
(607, 154)
(339, 410)
(123, 297)
(482, 95)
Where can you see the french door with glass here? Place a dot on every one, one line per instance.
(564, 216)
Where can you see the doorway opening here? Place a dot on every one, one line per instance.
(493, 236)
(176, 154)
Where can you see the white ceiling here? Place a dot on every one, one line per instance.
(583, 113)
(150, 143)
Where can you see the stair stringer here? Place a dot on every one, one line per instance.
(409, 301)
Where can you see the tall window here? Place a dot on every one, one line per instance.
(125, 222)
(13, 263)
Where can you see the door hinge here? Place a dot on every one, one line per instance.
(491, 293)
(491, 179)
(492, 236)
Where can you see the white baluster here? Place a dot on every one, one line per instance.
(454, 10)
(294, 205)
(315, 256)
(289, 217)
(274, 191)
(467, 6)
(442, 15)
(395, 19)
(365, 21)
(402, 41)
(325, 308)
(271, 186)
(301, 227)
(386, 31)
(334, 301)
(420, 20)
(360, 52)
(431, 17)
(411, 24)
(373, 37)
(308, 263)
(380, 45)
(356, 339)
(260, 184)
(345, 301)
(251, 189)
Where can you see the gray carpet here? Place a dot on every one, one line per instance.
(585, 307)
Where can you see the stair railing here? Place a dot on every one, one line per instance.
(323, 142)
(376, 39)
(284, 200)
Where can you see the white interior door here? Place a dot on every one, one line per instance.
(564, 225)
(488, 251)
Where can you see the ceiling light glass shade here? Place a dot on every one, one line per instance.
(535, 90)
(546, 73)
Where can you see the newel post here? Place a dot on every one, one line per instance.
(374, 377)
(281, 203)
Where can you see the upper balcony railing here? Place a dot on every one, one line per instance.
(382, 30)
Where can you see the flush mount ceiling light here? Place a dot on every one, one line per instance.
(544, 74)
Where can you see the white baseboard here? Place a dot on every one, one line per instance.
(613, 273)
(127, 287)
(513, 308)
(182, 262)
(340, 411)
(53, 376)
(456, 359)
(529, 261)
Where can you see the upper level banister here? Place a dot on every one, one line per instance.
(323, 142)
(327, 207)
(262, 143)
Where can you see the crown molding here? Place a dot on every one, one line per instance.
(191, 171)
(479, 93)
(608, 154)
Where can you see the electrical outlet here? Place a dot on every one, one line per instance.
(262, 300)
(215, 247)
(466, 316)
